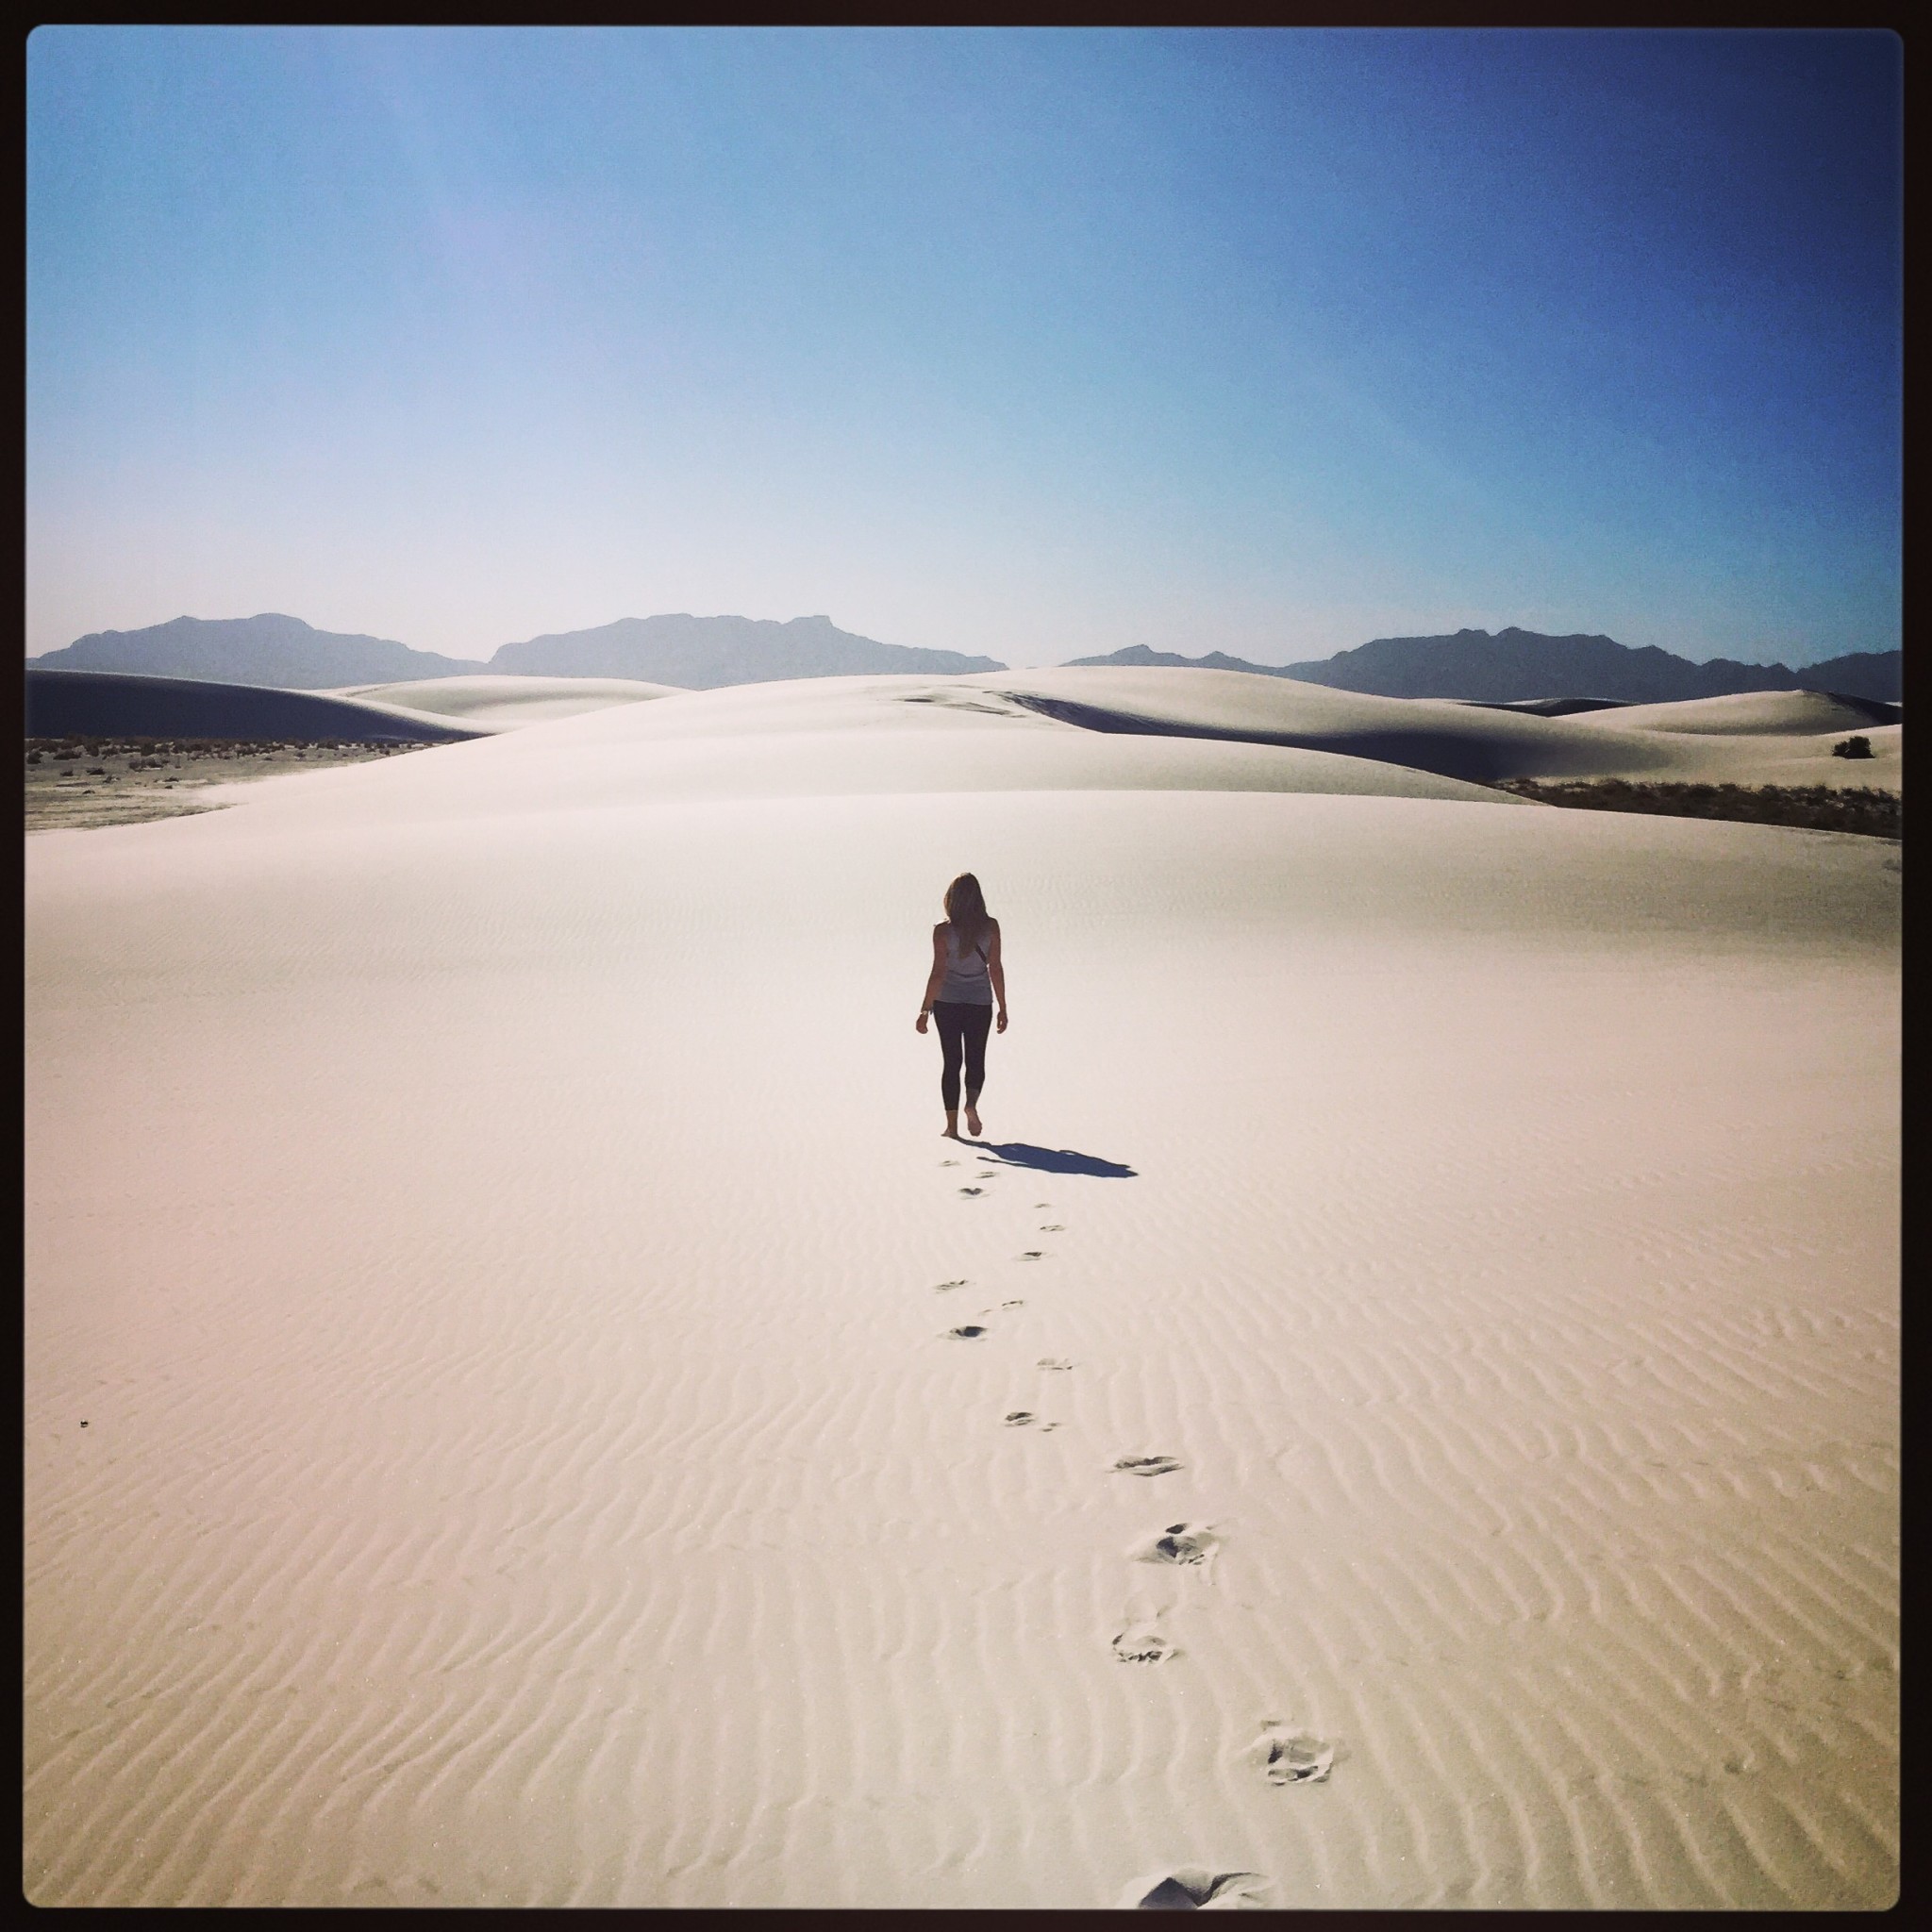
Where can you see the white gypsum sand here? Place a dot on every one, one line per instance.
(1759, 738)
(488, 1208)
(505, 701)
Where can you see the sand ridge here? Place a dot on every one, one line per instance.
(1756, 715)
(505, 701)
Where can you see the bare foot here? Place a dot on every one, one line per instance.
(973, 1122)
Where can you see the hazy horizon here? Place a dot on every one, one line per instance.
(482, 654)
(1025, 344)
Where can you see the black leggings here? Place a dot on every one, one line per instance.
(963, 1028)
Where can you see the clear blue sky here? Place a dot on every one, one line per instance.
(1033, 343)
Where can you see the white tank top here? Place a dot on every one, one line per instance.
(967, 982)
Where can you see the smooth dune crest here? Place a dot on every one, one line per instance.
(505, 701)
(1754, 714)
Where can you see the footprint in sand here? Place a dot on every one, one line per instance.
(1053, 1227)
(1020, 1418)
(1143, 1643)
(1012, 1305)
(1055, 1364)
(1041, 1207)
(1187, 1888)
(949, 1163)
(1033, 1254)
(971, 1192)
(1146, 1465)
(966, 1331)
(1180, 1543)
(1289, 1757)
(945, 1287)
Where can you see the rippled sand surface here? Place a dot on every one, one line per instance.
(1431, 1438)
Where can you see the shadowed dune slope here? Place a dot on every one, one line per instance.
(124, 704)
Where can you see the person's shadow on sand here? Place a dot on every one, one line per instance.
(1052, 1160)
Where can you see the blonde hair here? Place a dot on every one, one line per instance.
(966, 909)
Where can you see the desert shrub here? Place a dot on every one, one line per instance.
(1814, 808)
(1851, 748)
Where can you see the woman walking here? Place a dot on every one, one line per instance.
(965, 980)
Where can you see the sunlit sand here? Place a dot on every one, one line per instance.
(502, 702)
(522, 1408)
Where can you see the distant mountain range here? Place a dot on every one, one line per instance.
(701, 652)
(270, 649)
(697, 653)
(1514, 666)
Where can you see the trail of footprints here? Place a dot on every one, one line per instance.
(1281, 1751)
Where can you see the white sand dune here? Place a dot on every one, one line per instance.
(1761, 737)
(1753, 714)
(503, 702)
(889, 735)
(488, 1209)
(1776, 738)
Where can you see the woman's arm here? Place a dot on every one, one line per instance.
(997, 972)
(936, 978)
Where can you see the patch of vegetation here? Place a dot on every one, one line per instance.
(80, 780)
(1815, 808)
(1851, 748)
(148, 753)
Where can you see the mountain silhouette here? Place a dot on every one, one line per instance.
(270, 649)
(1519, 666)
(698, 653)
(702, 653)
